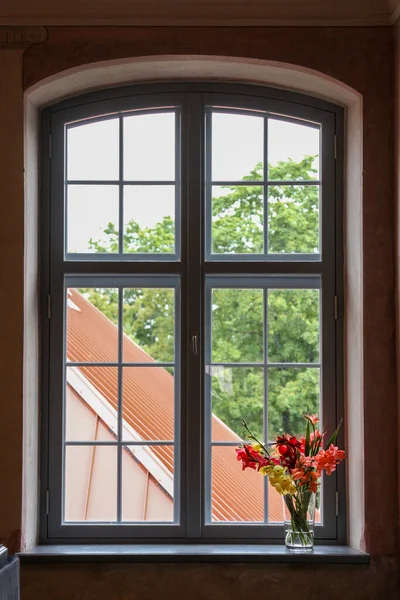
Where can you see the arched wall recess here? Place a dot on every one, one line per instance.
(116, 73)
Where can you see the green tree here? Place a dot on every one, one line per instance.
(238, 315)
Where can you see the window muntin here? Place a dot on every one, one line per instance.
(202, 514)
(123, 177)
(255, 148)
(247, 378)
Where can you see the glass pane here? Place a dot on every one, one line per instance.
(93, 151)
(237, 147)
(92, 325)
(149, 218)
(148, 483)
(91, 402)
(293, 219)
(147, 403)
(92, 218)
(149, 147)
(293, 326)
(149, 321)
(237, 395)
(237, 325)
(292, 393)
(236, 495)
(237, 220)
(90, 484)
(293, 151)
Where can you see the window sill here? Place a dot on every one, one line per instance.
(141, 553)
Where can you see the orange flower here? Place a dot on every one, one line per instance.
(329, 459)
(312, 418)
(306, 477)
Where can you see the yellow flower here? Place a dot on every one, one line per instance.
(280, 479)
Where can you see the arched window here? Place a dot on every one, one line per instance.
(192, 278)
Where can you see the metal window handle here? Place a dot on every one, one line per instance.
(195, 342)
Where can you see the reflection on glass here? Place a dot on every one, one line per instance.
(237, 225)
(92, 218)
(292, 393)
(147, 403)
(149, 147)
(237, 395)
(236, 495)
(148, 483)
(293, 151)
(149, 322)
(92, 325)
(93, 151)
(87, 390)
(293, 325)
(237, 146)
(293, 219)
(90, 483)
(149, 218)
(237, 325)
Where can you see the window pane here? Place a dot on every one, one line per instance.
(293, 219)
(237, 220)
(293, 151)
(292, 393)
(237, 147)
(148, 483)
(149, 218)
(92, 218)
(237, 325)
(147, 403)
(236, 495)
(91, 402)
(90, 484)
(293, 326)
(93, 151)
(149, 322)
(149, 147)
(237, 395)
(92, 325)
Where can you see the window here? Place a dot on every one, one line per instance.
(191, 274)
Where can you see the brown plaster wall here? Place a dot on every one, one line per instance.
(209, 582)
(362, 58)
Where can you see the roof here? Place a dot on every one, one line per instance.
(148, 411)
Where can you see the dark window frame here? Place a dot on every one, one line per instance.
(193, 97)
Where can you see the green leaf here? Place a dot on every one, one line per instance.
(333, 436)
(307, 448)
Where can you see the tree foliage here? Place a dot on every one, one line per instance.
(239, 331)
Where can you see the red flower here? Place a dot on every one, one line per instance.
(252, 459)
(287, 447)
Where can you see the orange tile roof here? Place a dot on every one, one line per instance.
(148, 406)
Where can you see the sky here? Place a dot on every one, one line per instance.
(149, 155)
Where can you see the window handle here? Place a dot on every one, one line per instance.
(195, 342)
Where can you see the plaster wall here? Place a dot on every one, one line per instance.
(361, 58)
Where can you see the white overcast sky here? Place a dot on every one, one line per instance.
(149, 154)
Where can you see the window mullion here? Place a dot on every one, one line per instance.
(194, 389)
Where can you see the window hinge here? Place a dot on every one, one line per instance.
(195, 342)
(49, 306)
(336, 308)
(335, 146)
(50, 145)
(337, 504)
(47, 502)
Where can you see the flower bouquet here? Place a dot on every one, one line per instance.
(294, 467)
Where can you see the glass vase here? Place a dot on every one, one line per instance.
(299, 516)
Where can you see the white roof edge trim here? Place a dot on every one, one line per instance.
(100, 405)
